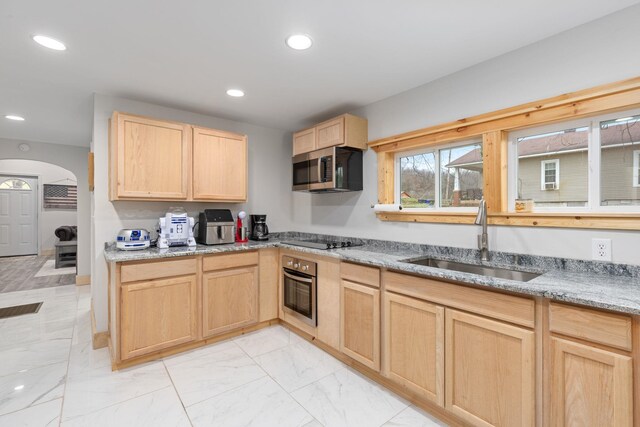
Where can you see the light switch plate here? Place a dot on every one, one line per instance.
(601, 249)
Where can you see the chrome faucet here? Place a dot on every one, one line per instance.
(483, 239)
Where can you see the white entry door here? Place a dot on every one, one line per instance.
(18, 215)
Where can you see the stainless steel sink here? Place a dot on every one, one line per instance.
(502, 273)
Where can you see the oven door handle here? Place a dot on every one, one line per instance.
(301, 279)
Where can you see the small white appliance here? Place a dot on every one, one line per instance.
(176, 229)
(132, 239)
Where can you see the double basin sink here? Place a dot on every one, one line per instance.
(501, 273)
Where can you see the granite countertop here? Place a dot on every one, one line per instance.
(601, 285)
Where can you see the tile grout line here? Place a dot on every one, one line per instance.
(66, 375)
(184, 408)
(223, 392)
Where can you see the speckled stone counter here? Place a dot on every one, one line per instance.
(602, 285)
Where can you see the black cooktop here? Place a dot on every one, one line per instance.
(322, 244)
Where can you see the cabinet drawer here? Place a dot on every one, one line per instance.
(360, 274)
(592, 325)
(158, 269)
(221, 262)
(501, 306)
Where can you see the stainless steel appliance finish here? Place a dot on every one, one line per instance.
(300, 289)
(321, 244)
(216, 227)
(332, 169)
(483, 239)
(501, 273)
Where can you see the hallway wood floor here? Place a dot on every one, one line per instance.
(17, 274)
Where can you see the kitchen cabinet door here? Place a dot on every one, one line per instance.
(219, 166)
(360, 323)
(489, 371)
(304, 141)
(230, 299)
(414, 345)
(158, 314)
(330, 133)
(149, 159)
(590, 386)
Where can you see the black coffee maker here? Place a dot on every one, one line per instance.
(259, 229)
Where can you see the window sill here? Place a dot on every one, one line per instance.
(616, 221)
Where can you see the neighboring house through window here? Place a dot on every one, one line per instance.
(636, 168)
(550, 174)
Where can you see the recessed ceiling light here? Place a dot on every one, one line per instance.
(14, 117)
(49, 42)
(299, 41)
(236, 93)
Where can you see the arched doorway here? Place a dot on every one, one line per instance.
(37, 199)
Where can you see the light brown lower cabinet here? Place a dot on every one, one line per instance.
(360, 323)
(158, 314)
(229, 299)
(414, 345)
(489, 371)
(590, 386)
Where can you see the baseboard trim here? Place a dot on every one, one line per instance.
(47, 252)
(83, 280)
(98, 339)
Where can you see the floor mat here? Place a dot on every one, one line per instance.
(49, 269)
(19, 310)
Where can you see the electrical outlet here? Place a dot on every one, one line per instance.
(601, 249)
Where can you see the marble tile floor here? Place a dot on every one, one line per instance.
(50, 376)
(19, 274)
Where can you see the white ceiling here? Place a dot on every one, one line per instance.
(186, 54)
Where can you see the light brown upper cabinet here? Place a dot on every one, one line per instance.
(150, 159)
(161, 160)
(304, 141)
(345, 130)
(219, 165)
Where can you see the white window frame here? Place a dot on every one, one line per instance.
(436, 151)
(543, 175)
(593, 161)
(636, 168)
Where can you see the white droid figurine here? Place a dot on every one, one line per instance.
(176, 229)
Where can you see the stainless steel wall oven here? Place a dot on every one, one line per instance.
(300, 289)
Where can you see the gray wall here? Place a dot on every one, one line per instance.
(269, 183)
(586, 56)
(73, 159)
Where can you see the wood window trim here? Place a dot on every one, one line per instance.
(493, 129)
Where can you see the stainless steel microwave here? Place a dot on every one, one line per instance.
(328, 170)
